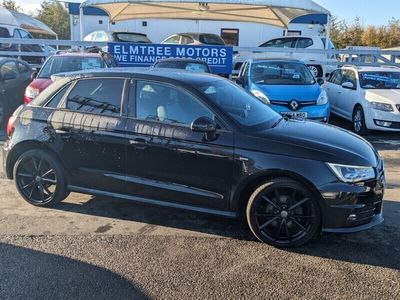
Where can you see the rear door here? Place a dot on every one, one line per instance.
(166, 160)
(90, 128)
(333, 88)
(10, 89)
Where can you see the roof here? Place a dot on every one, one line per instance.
(71, 54)
(192, 60)
(273, 12)
(275, 60)
(150, 73)
(374, 69)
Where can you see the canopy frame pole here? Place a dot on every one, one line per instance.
(81, 22)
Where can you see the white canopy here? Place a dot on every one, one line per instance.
(273, 12)
(10, 17)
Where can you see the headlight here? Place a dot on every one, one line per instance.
(323, 98)
(31, 93)
(352, 173)
(381, 106)
(261, 96)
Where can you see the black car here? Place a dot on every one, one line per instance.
(193, 141)
(188, 64)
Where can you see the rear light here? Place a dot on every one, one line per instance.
(10, 125)
(30, 94)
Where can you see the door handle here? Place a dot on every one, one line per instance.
(139, 143)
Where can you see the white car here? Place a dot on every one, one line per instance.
(319, 64)
(367, 96)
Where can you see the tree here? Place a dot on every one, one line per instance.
(11, 5)
(53, 14)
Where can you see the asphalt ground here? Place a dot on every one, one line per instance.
(98, 248)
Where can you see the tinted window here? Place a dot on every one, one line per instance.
(380, 80)
(9, 68)
(166, 103)
(242, 107)
(281, 73)
(280, 43)
(58, 97)
(60, 64)
(304, 43)
(4, 33)
(211, 39)
(100, 96)
(349, 76)
(131, 37)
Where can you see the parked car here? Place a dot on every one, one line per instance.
(14, 77)
(367, 96)
(313, 60)
(65, 62)
(11, 31)
(194, 39)
(287, 86)
(193, 141)
(188, 64)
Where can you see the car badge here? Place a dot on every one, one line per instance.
(294, 104)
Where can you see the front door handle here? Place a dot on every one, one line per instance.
(139, 143)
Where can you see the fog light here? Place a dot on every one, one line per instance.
(352, 217)
(383, 123)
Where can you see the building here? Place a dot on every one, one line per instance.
(244, 34)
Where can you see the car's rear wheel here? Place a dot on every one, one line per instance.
(316, 71)
(359, 126)
(39, 178)
(283, 213)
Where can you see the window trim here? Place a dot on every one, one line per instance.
(63, 103)
(132, 100)
(71, 84)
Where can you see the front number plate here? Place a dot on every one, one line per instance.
(301, 115)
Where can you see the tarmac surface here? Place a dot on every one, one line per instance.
(98, 248)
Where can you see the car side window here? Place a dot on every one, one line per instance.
(280, 43)
(101, 36)
(349, 76)
(304, 43)
(24, 34)
(336, 77)
(55, 101)
(4, 33)
(98, 96)
(16, 34)
(165, 103)
(173, 39)
(9, 69)
(23, 68)
(186, 40)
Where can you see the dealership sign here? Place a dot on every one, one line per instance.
(219, 58)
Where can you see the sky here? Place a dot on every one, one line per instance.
(371, 12)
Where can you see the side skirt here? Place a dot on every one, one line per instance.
(88, 191)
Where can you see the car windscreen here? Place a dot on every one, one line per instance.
(241, 106)
(189, 66)
(281, 73)
(380, 80)
(131, 37)
(61, 64)
(211, 39)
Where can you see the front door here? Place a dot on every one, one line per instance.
(90, 127)
(166, 160)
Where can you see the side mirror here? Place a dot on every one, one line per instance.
(33, 75)
(348, 85)
(320, 81)
(9, 76)
(205, 125)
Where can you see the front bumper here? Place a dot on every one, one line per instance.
(353, 207)
(314, 112)
(373, 117)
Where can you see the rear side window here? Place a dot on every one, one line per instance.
(303, 43)
(211, 39)
(97, 96)
(53, 103)
(4, 33)
(280, 43)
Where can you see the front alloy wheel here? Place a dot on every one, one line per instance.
(39, 178)
(283, 213)
(359, 126)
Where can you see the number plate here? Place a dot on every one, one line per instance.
(301, 115)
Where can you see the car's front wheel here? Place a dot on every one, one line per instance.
(359, 126)
(283, 213)
(39, 178)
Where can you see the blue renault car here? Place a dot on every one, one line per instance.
(287, 86)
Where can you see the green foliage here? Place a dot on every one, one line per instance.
(385, 36)
(11, 5)
(53, 14)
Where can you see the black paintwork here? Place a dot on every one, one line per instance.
(172, 165)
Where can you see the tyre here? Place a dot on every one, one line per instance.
(359, 126)
(316, 71)
(39, 178)
(283, 213)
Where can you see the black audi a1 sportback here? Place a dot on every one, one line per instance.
(197, 142)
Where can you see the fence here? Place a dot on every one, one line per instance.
(357, 57)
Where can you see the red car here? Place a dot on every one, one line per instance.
(65, 62)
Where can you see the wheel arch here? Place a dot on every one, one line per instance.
(245, 189)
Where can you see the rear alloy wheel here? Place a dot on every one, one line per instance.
(359, 126)
(316, 71)
(283, 213)
(39, 178)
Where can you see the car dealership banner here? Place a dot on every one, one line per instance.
(219, 58)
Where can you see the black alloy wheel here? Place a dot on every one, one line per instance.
(283, 213)
(39, 178)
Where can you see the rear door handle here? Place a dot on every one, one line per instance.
(139, 143)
